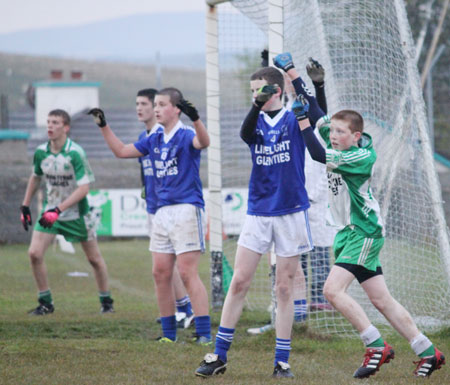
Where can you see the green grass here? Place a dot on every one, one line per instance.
(77, 345)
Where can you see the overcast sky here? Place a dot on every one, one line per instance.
(19, 15)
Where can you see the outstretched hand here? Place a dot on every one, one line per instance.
(315, 70)
(99, 116)
(189, 109)
(284, 61)
(300, 107)
(265, 93)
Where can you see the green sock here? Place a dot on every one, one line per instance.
(104, 295)
(45, 296)
(379, 343)
(428, 352)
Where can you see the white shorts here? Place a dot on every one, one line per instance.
(178, 229)
(150, 226)
(290, 233)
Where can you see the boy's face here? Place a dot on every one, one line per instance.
(341, 137)
(144, 109)
(274, 103)
(56, 128)
(165, 112)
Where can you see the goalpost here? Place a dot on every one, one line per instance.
(367, 51)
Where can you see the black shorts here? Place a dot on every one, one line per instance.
(360, 272)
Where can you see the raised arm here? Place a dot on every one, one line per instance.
(317, 74)
(300, 108)
(119, 149)
(249, 125)
(201, 138)
(284, 61)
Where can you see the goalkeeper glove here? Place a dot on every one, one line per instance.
(315, 71)
(284, 61)
(265, 93)
(143, 192)
(189, 109)
(264, 58)
(99, 116)
(25, 217)
(49, 217)
(300, 107)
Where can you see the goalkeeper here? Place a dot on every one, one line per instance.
(355, 213)
(178, 225)
(277, 213)
(67, 175)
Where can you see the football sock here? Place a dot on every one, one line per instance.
(379, 343)
(371, 337)
(45, 296)
(300, 309)
(104, 295)
(282, 350)
(203, 326)
(422, 346)
(224, 338)
(169, 327)
(184, 305)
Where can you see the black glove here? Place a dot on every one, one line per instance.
(99, 116)
(265, 93)
(189, 109)
(25, 217)
(315, 71)
(264, 58)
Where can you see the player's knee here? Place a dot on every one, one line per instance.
(283, 291)
(187, 276)
(381, 303)
(239, 285)
(329, 293)
(161, 275)
(35, 256)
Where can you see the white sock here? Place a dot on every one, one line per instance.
(420, 343)
(370, 335)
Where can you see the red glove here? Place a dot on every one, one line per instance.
(49, 217)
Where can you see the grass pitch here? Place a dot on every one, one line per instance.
(77, 345)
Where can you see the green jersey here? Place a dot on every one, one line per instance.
(63, 173)
(351, 202)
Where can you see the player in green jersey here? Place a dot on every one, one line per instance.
(67, 174)
(355, 213)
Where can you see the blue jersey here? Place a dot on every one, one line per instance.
(176, 165)
(277, 182)
(147, 172)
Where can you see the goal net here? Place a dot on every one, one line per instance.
(367, 51)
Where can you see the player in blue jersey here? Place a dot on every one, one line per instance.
(145, 111)
(63, 165)
(178, 225)
(349, 156)
(277, 214)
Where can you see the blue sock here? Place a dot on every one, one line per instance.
(184, 305)
(169, 327)
(203, 326)
(300, 310)
(224, 338)
(282, 350)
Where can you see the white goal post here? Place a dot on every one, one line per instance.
(367, 50)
